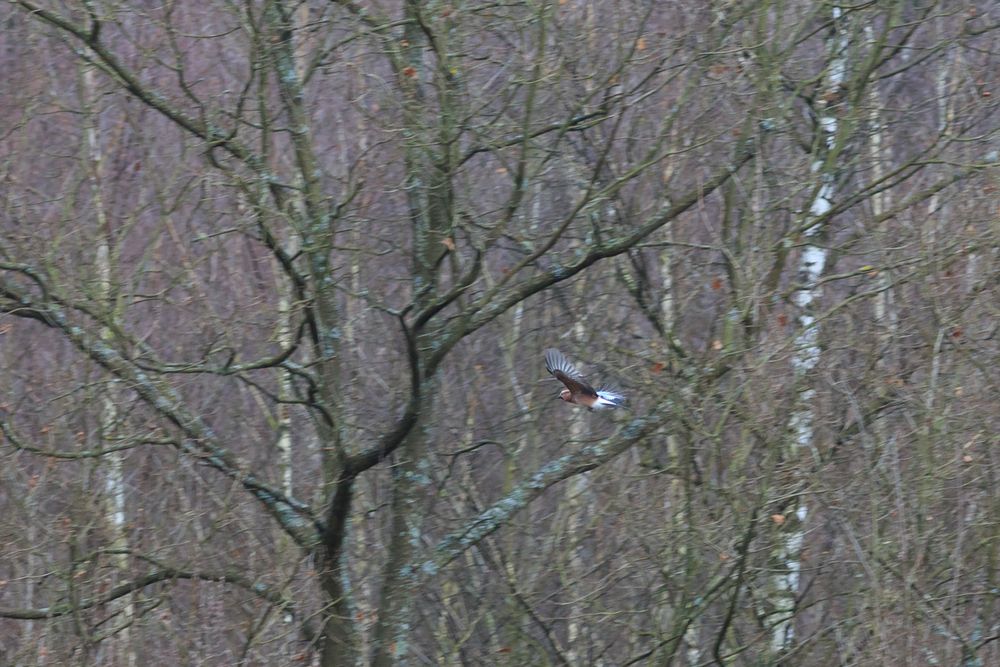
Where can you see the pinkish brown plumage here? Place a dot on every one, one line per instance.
(578, 390)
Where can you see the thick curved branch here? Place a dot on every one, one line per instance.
(490, 520)
(355, 465)
(294, 516)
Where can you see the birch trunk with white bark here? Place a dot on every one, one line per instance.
(112, 464)
(806, 355)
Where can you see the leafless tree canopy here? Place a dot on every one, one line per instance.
(277, 278)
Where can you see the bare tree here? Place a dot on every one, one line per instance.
(275, 281)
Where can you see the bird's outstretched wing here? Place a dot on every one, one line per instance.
(566, 373)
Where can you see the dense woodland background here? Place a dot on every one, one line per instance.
(276, 279)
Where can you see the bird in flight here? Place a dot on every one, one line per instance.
(577, 389)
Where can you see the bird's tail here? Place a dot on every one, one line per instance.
(610, 398)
